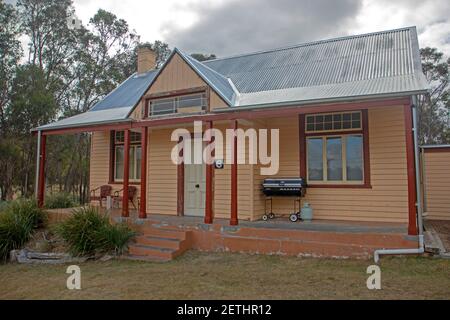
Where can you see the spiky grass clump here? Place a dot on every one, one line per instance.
(17, 222)
(60, 201)
(88, 232)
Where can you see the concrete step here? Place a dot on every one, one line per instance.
(150, 251)
(161, 242)
(144, 258)
(431, 244)
(162, 233)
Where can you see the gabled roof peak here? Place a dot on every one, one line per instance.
(219, 83)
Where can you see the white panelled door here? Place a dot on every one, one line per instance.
(194, 189)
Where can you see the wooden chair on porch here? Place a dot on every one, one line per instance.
(104, 192)
(118, 196)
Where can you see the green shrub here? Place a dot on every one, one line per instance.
(115, 238)
(60, 200)
(17, 222)
(88, 232)
(3, 205)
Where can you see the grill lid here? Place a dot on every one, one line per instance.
(284, 182)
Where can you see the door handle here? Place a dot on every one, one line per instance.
(197, 186)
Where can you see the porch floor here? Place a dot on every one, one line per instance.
(277, 223)
(168, 236)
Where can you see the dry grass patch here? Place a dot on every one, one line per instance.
(232, 276)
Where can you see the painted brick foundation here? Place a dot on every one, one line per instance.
(220, 238)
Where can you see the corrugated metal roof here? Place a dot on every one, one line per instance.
(353, 59)
(377, 64)
(91, 118)
(218, 82)
(398, 85)
(128, 93)
(115, 107)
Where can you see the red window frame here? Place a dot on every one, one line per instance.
(366, 151)
(112, 157)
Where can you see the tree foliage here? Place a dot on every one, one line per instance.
(203, 57)
(161, 49)
(67, 71)
(10, 52)
(434, 108)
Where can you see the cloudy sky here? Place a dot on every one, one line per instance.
(226, 27)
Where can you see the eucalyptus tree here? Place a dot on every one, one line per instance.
(203, 57)
(10, 53)
(434, 108)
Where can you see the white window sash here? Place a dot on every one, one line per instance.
(344, 161)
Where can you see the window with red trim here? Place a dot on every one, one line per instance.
(117, 156)
(336, 150)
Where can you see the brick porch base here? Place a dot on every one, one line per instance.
(321, 239)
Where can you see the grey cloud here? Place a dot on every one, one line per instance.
(251, 25)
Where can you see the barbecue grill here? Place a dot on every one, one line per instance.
(284, 187)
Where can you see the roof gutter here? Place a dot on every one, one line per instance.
(421, 247)
(318, 101)
(81, 126)
(435, 146)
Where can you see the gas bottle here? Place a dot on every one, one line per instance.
(307, 212)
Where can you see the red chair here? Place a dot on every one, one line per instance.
(118, 196)
(105, 191)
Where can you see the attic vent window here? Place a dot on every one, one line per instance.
(186, 103)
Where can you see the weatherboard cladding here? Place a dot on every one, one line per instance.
(362, 66)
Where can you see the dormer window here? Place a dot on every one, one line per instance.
(191, 103)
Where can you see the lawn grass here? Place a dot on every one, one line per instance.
(231, 276)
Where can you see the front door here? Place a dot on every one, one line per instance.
(194, 189)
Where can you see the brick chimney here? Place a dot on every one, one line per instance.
(146, 59)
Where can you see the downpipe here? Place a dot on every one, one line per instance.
(421, 248)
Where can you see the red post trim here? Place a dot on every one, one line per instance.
(329, 133)
(234, 177)
(41, 184)
(112, 160)
(143, 197)
(280, 111)
(366, 149)
(175, 93)
(412, 224)
(111, 155)
(180, 184)
(126, 172)
(302, 145)
(209, 182)
(90, 128)
(340, 186)
(272, 112)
